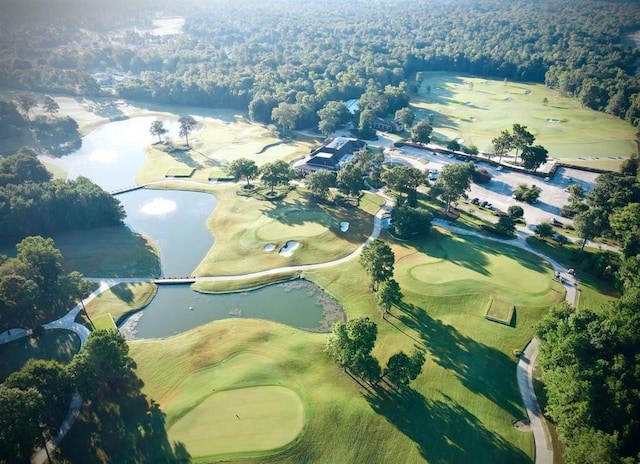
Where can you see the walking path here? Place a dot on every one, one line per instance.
(543, 448)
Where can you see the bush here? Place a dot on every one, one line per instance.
(515, 211)
(481, 176)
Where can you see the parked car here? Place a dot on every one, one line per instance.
(475, 201)
(484, 203)
(500, 168)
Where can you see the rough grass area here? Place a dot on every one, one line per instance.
(109, 252)
(248, 224)
(239, 421)
(477, 109)
(58, 345)
(180, 172)
(121, 300)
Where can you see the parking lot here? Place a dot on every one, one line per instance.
(498, 192)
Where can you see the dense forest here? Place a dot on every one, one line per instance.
(33, 204)
(255, 55)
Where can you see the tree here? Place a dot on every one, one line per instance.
(365, 123)
(625, 224)
(506, 226)
(50, 105)
(18, 301)
(103, 362)
(405, 116)
(276, 173)
(454, 180)
(409, 222)
(286, 115)
(521, 138)
(402, 369)
(389, 294)
(421, 132)
(332, 115)
(51, 380)
(377, 259)
(403, 179)
(544, 230)
(589, 224)
(19, 422)
(350, 179)
(534, 156)
(27, 102)
(350, 345)
(319, 183)
(157, 128)
(629, 167)
(525, 193)
(187, 124)
(453, 144)
(515, 211)
(243, 168)
(44, 261)
(502, 144)
(576, 194)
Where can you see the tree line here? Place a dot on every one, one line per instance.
(258, 57)
(31, 203)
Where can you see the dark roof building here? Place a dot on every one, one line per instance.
(331, 155)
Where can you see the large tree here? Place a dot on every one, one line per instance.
(319, 183)
(502, 144)
(408, 221)
(276, 173)
(625, 224)
(454, 180)
(403, 179)
(421, 132)
(402, 368)
(350, 179)
(286, 115)
(521, 138)
(405, 116)
(377, 259)
(157, 128)
(534, 156)
(243, 168)
(589, 224)
(50, 105)
(350, 345)
(186, 124)
(19, 422)
(332, 115)
(27, 102)
(389, 294)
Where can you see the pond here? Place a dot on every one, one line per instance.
(176, 221)
(177, 308)
(112, 154)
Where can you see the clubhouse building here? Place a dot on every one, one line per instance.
(330, 156)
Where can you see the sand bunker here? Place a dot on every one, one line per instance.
(289, 248)
(344, 226)
(269, 247)
(553, 120)
(158, 207)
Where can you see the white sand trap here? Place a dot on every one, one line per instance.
(553, 120)
(158, 207)
(344, 226)
(289, 248)
(269, 247)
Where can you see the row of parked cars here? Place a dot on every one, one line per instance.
(482, 204)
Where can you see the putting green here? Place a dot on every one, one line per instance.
(246, 420)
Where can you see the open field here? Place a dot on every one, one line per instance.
(247, 225)
(477, 109)
(59, 345)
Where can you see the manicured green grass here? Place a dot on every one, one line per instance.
(244, 420)
(109, 252)
(460, 409)
(477, 109)
(248, 224)
(121, 300)
(180, 172)
(500, 311)
(59, 345)
(104, 322)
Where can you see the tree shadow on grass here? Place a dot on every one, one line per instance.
(121, 425)
(443, 431)
(481, 368)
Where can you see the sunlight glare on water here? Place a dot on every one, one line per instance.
(103, 156)
(158, 207)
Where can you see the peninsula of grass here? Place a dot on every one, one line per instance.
(57, 345)
(244, 226)
(109, 252)
(477, 109)
(104, 322)
(121, 300)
